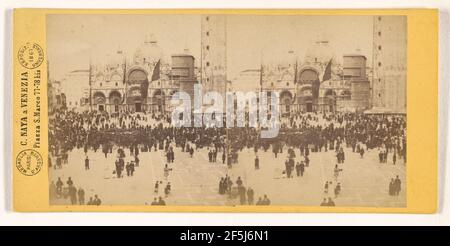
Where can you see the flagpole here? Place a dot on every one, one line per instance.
(125, 82)
(90, 85)
(295, 80)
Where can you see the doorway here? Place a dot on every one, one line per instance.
(309, 107)
(138, 107)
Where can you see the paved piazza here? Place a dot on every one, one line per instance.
(195, 181)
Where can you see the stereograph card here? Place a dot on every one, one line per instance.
(225, 110)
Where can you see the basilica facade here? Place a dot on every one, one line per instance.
(145, 83)
(316, 82)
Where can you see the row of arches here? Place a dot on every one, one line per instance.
(344, 93)
(115, 97)
(115, 101)
(307, 102)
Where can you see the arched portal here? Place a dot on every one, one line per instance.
(306, 99)
(309, 92)
(137, 89)
(286, 100)
(330, 100)
(309, 76)
(99, 100)
(115, 99)
(159, 100)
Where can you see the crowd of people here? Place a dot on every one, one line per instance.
(302, 133)
(395, 186)
(76, 196)
(313, 133)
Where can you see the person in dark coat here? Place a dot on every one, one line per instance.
(337, 190)
(156, 187)
(397, 186)
(242, 194)
(118, 169)
(131, 168)
(191, 152)
(259, 202)
(69, 182)
(91, 201)
(297, 169)
(288, 169)
(391, 187)
(59, 185)
(223, 157)
(326, 187)
(239, 181)
(250, 196)
(167, 189)
(256, 163)
(97, 200)
(221, 186)
(302, 168)
(81, 196)
(136, 160)
(86, 163)
(266, 200)
(73, 194)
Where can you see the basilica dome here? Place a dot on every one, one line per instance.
(320, 52)
(115, 60)
(148, 52)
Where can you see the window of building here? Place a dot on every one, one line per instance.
(207, 64)
(379, 94)
(379, 18)
(287, 84)
(379, 33)
(207, 33)
(379, 47)
(117, 84)
(100, 84)
(207, 18)
(379, 64)
(207, 47)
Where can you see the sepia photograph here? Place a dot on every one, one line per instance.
(227, 110)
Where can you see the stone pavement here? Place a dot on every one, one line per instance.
(195, 181)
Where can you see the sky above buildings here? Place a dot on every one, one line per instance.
(74, 40)
(270, 38)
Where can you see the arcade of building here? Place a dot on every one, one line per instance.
(147, 83)
(316, 82)
(144, 84)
